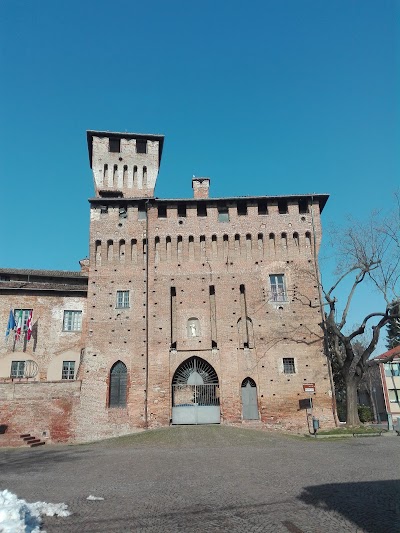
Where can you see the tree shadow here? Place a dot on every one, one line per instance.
(373, 506)
(31, 460)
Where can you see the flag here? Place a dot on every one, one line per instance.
(11, 323)
(19, 326)
(29, 326)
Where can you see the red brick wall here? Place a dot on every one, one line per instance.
(42, 409)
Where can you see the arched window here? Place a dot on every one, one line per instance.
(118, 385)
(296, 239)
(308, 239)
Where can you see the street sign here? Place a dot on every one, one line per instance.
(309, 387)
(306, 403)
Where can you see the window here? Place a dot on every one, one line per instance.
(282, 207)
(288, 365)
(262, 208)
(303, 206)
(68, 370)
(25, 316)
(142, 212)
(17, 369)
(278, 292)
(182, 210)
(223, 213)
(114, 144)
(392, 369)
(201, 210)
(141, 146)
(162, 211)
(122, 299)
(241, 208)
(72, 321)
(394, 396)
(118, 385)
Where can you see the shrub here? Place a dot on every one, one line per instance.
(365, 413)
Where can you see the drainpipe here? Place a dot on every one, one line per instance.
(146, 394)
(326, 346)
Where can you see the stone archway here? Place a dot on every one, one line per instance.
(195, 393)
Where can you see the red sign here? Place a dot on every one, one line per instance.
(309, 387)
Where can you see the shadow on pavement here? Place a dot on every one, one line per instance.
(373, 506)
(32, 460)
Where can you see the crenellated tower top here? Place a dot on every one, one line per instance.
(124, 164)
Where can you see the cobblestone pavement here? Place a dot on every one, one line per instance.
(214, 478)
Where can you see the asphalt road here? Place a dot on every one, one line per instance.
(214, 478)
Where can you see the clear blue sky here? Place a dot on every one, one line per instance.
(265, 97)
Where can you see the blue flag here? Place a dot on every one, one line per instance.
(11, 323)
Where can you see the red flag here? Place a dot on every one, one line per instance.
(29, 326)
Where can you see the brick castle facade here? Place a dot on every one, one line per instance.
(200, 310)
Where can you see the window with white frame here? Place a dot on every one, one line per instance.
(68, 370)
(277, 285)
(122, 299)
(17, 369)
(288, 365)
(394, 396)
(72, 321)
(25, 315)
(392, 369)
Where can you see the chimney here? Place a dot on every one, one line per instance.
(200, 187)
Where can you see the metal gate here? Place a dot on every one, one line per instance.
(249, 400)
(195, 393)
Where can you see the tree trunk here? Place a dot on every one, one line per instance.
(351, 402)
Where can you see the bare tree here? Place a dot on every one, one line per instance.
(368, 253)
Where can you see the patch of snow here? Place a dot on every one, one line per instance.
(94, 498)
(19, 516)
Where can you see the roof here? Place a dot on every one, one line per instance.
(321, 197)
(393, 353)
(44, 273)
(123, 135)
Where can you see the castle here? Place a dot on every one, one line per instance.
(188, 311)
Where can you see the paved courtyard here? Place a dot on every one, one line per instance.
(214, 478)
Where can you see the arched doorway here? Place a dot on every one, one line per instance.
(249, 400)
(195, 393)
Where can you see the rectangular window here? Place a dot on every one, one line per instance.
(278, 291)
(282, 207)
(162, 211)
(394, 395)
(288, 365)
(201, 210)
(392, 369)
(122, 299)
(223, 214)
(182, 210)
(17, 369)
(114, 144)
(262, 208)
(303, 206)
(242, 208)
(141, 146)
(142, 212)
(25, 316)
(72, 321)
(68, 370)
